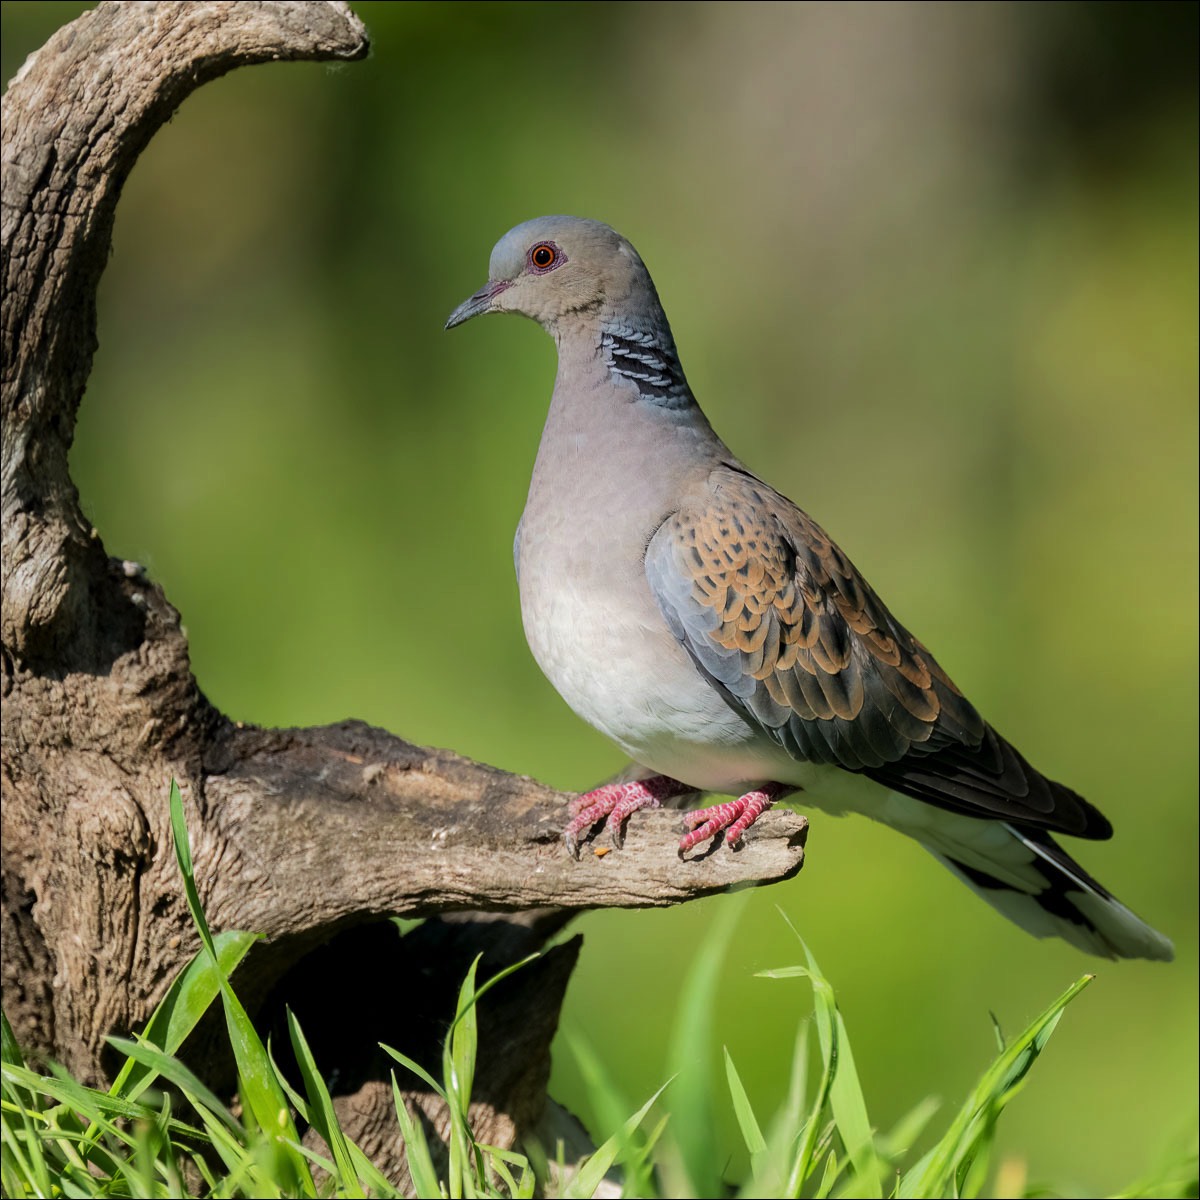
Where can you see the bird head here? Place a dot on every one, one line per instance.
(553, 269)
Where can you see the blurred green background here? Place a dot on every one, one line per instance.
(932, 272)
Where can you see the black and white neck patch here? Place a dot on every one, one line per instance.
(647, 360)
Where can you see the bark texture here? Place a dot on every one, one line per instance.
(307, 836)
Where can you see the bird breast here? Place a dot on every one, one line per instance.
(597, 634)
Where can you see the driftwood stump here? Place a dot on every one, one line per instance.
(309, 836)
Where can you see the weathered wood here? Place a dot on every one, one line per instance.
(298, 834)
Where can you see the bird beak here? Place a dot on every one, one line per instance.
(481, 302)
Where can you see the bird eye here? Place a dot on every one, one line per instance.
(544, 256)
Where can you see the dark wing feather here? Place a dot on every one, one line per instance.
(779, 619)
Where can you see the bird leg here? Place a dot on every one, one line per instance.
(614, 802)
(735, 816)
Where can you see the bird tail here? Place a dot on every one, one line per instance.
(1027, 876)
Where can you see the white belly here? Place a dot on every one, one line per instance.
(620, 669)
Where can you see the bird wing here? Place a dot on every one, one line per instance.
(778, 619)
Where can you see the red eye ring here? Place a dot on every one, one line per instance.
(544, 256)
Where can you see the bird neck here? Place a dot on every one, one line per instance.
(635, 353)
(644, 357)
(622, 376)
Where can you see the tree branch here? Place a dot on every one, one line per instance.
(470, 837)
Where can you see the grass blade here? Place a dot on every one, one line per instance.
(186, 1001)
(10, 1052)
(772, 1174)
(806, 1156)
(948, 1165)
(893, 1145)
(846, 1099)
(258, 1084)
(416, 1149)
(689, 1058)
(320, 1110)
(747, 1122)
(416, 1068)
(174, 1072)
(609, 1107)
(352, 1165)
(590, 1175)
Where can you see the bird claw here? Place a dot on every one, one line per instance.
(734, 816)
(615, 803)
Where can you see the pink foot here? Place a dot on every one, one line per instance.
(735, 816)
(614, 802)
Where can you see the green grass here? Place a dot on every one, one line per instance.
(61, 1138)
